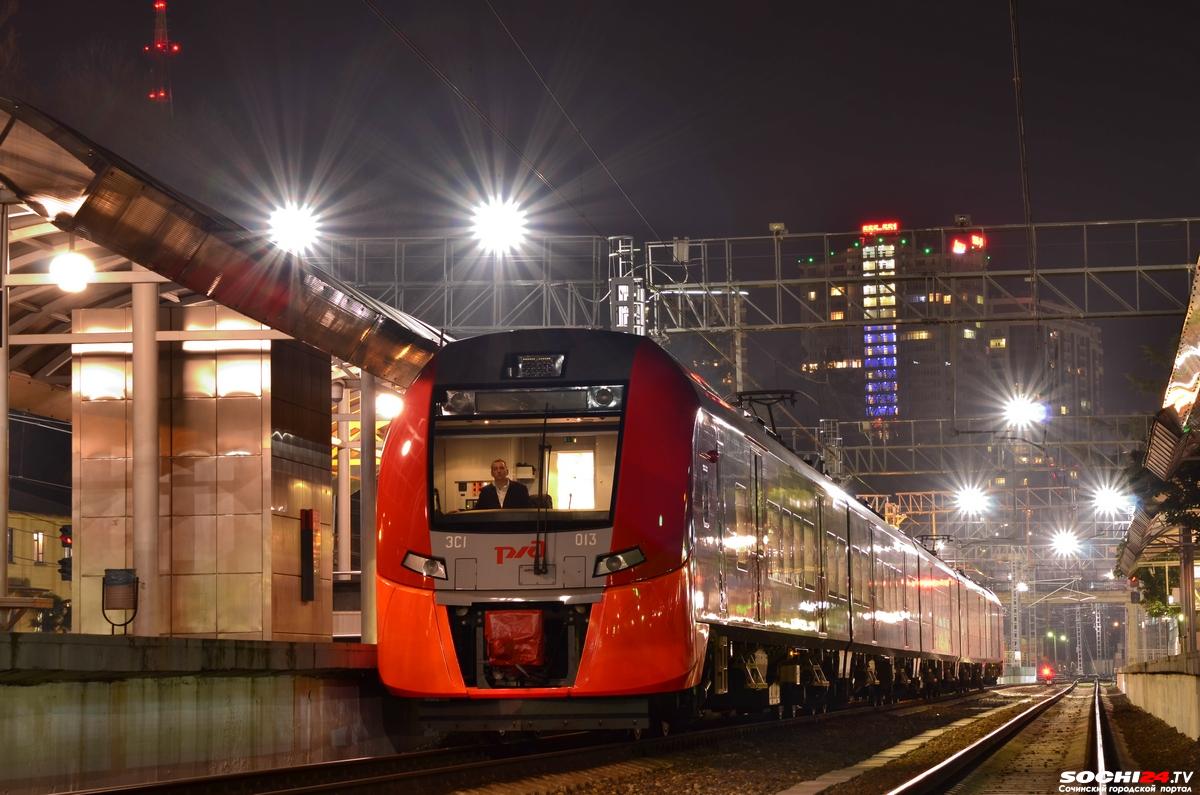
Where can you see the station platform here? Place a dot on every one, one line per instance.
(86, 711)
(1168, 689)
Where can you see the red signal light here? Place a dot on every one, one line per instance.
(160, 5)
(958, 246)
(1047, 671)
(978, 241)
(174, 48)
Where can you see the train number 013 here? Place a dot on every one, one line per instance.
(585, 539)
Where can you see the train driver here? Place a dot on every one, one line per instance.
(502, 492)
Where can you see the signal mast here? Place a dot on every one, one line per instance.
(160, 52)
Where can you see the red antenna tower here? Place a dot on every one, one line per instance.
(160, 52)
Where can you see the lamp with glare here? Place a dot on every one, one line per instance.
(499, 226)
(971, 501)
(1064, 543)
(1021, 412)
(71, 271)
(294, 228)
(1022, 587)
(1110, 502)
(388, 406)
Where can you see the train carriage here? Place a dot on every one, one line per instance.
(672, 556)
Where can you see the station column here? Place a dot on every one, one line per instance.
(145, 456)
(366, 531)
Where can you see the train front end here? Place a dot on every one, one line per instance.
(570, 607)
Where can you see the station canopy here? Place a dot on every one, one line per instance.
(79, 194)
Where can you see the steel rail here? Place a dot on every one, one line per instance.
(938, 777)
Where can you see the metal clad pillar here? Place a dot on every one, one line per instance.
(1187, 589)
(4, 265)
(366, 524)
(344, 477)
(145, 456)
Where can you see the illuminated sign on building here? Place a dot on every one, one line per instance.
(879, 227)
(881, 392)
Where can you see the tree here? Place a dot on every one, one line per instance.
(1176, 502)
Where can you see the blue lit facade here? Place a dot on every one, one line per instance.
(881, 393)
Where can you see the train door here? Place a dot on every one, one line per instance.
(759, 515)
(822, 580)
(739, 536)
(707, 521)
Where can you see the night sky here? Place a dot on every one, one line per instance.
(717, 118)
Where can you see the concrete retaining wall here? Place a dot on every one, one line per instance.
(1169, 689)
(86, 711)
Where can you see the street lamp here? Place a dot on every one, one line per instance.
(1022, 411)
(1054, 636)
(971, 500)
(1064, 543)
(1111, 502)
(294, 228)
(71, 271)
(499, 226)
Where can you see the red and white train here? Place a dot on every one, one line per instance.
(674, 556)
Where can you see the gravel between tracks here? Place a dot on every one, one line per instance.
(762, 763)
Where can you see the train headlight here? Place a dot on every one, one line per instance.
(604, 397)
(617, 561)
(426, 567)
(459, 402)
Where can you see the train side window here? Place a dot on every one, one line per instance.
(773, 543)
(743, 527)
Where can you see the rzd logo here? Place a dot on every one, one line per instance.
(536, 549)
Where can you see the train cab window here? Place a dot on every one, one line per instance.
(567, 465)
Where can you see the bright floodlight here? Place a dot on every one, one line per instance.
(1064, 543)
(971, 501)
(1111, 502)
(388, 406)
(71, 271)
(1022, 412)
(499, 226)
(294, 228)
(1022, 587)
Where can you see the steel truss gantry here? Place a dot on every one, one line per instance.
(1103, 269)
(1015, 529)
(977, 446)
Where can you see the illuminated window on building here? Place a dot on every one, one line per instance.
(909, 336)
(869, 289)
(998, 342)
(837, 315)
(979, 300)
(835, 290)
(1000, 480)
(39, 547)
(968, 334)
(1063, 410)
(869, 300)
(887, 300)
(946, 299)
(812, 295)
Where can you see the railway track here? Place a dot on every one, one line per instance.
(1067, 731)
(449, 769)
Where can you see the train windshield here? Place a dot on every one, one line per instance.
(555, 469)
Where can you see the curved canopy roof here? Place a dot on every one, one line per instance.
(87, 191)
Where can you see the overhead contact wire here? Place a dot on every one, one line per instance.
(478, 111)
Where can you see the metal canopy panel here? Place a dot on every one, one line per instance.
(96, 195)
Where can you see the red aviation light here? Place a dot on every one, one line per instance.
(160, 5)
(174, 48)
(880, 227)
(958, 246)
(978, 241)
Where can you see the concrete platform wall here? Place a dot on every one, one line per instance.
(1169, 689)
(82, 712)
